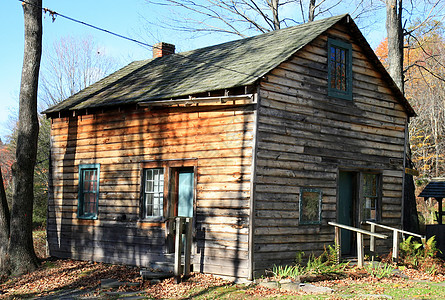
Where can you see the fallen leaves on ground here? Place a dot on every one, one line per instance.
(62, 274)
(54, 275)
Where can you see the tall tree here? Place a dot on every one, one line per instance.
(396, 42)
(394, 30)
(71, 65)
(246, 17)
(4, 227)
(22, 258)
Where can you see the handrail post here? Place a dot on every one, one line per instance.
(360, 233)
(337, 231)
(360, 255)
(395, 246)
(372, 242)
(178, 249)
(188, 246)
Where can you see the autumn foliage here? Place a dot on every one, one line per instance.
(424, 76)
(6, 161)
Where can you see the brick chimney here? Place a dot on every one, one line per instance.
(163, 49)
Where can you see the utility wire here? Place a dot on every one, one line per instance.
(54, 14)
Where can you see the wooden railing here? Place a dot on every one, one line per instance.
(395, 241)
(180, 224)
(360, 246)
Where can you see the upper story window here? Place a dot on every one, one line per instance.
(88, 194)
(153, 193)
(339, 69)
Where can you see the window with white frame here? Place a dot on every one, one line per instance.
(153, 193)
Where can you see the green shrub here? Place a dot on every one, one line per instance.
(324, 264)
(288, 271)
(414, 252)
(420, 255)
(381, 270)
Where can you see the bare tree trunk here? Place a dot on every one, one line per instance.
(21, 251)
(395, 57)
(311, 10)
(4, 228)
(276, 20)
(395, 41)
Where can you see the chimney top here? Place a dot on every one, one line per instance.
(162, 49)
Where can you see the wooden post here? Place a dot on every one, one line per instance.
(440, 210)
(360, 254)
(178, 249)
(395, 246)
(188, 246)
(372, 242)
(338, 242)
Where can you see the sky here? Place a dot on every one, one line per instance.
(128, 18)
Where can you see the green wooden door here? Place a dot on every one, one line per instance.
(345, 209)
(186, 180)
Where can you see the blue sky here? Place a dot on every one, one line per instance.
(123, 17)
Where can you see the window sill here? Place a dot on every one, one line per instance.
(87, 217)
(151, 223)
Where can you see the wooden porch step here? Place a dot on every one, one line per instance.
(149, 275)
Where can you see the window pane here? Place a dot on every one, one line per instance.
(153, 192)
(370, 196)
(88, 190)
(149, 204)
(370, 184)
(339, 69)
(310, 206)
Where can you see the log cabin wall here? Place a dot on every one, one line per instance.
(305, 138)
(218, 139)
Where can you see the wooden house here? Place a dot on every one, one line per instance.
(262, 141)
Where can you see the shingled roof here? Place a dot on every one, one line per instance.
(434, 189)
(224, 66)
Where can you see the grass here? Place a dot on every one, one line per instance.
(78, 274)
(401, 290)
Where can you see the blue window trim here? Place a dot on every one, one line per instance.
(302, 190)
(80, 199)
(347, 95)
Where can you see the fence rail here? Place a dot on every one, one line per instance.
(183, 226)
(360, 245)
(395, 241)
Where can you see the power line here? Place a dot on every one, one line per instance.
(54, 14)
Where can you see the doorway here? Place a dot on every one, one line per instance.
(185, 178)
(347, 208)
(182, 195)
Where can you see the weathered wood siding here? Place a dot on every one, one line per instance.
(306, 137)
(220, 138)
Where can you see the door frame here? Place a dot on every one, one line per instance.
(169, 165)
(357, 213)
(354, 209)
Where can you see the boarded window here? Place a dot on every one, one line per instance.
(310, 206)
(339, 69)
(153, 193)
(88, 195)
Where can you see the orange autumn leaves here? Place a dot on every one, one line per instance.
(424, 75)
